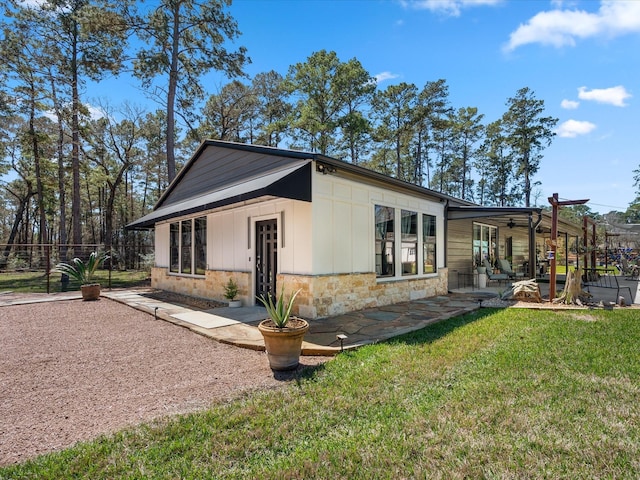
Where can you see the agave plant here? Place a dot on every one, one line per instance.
(278, 311)
(81, 271)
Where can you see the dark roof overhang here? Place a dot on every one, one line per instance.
(293, 182)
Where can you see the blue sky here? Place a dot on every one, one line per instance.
(581, 57)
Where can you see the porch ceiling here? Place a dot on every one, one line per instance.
(513, 217)
(470, 212)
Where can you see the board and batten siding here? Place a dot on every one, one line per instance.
(161, 241)
(459, 249)
(343, 223)
(229, 247)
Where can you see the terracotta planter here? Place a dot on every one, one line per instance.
(90, 292)
(283, 345)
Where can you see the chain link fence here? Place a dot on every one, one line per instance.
(27, 267)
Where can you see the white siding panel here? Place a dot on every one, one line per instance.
(342, 191)
(215, 238)
(225, 224)
(299, 237)
(342, 242)
(162, 245)
(359, 195)
(230, 248)
(323, 235)
(343, 234)
(240, 241)
(361, 240)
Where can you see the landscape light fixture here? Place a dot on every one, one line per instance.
(342, 337)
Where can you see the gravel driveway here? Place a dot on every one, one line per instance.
(72, 370)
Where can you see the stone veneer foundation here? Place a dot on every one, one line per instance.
(327, 295)
(320, 295)
(211, 286)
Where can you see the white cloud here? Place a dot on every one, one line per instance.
(560, 28)
(613, 96)
(573, 128)
(32, 3)
(447, 7)
(381, 77)
(96, 113)
(569, 104)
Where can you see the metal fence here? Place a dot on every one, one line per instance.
(28, 266)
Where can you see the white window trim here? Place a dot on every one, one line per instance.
(193, 244)
(397, 224)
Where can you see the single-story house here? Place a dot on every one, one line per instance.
(346, 236)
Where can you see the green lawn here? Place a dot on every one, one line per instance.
(494, 394)
(36, 282)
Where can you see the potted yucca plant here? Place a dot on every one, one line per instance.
(282, 333)
(84, 272)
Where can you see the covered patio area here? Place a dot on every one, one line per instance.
(511, 242)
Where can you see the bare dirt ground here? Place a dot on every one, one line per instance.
(72, 370)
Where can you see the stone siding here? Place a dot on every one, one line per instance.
(320, 295)
(327, 295)
(211, 286)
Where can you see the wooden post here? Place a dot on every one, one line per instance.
(555, 205)
(554, 242)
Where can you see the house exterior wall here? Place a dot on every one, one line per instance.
(343, 223)
(230, 248)
(326, 248)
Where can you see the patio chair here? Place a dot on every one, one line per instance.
(494, 277)
(505, 267)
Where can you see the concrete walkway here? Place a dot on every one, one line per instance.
(238, 326)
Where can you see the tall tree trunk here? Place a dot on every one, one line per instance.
(90, 221)
(75, 141)
(62, 188)
(171, 95)
(527, 181)
(42, 230)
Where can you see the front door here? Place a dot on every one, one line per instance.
(266, 257)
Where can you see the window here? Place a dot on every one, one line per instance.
(185, 246)
(416, 253)
(188, 246)
(200, 240)
(409, 239)
(385, 244)
(174, 247)
(429, 243)
(484, 244)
